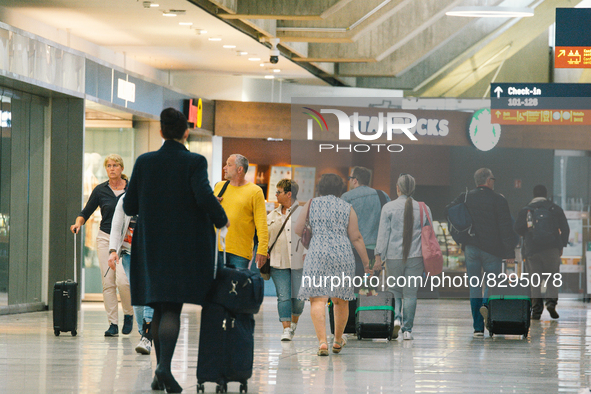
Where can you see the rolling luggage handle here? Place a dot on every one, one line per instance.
(220, 234)
(75, 258)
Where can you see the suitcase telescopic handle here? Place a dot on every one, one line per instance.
(75, 258)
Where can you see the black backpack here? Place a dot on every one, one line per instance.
(459, 222)
(543, 230)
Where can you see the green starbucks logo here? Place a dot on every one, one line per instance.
(483, 134)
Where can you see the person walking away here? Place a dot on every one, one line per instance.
(244, 204)
(493, 242)
(334, 229)
(106, 195)
(545, 231)
(173, 245)
(286, 257)
(399, 244)
(120, 246)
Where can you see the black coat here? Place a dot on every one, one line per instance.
(173, 245)
(560, 236)
(491, 222)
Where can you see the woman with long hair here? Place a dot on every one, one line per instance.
(399, 244)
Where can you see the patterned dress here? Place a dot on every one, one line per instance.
(330, 254)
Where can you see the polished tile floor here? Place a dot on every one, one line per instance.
(443, 357)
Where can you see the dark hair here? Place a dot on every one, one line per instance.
(289, 185)
(362, 175)
(331, 184)
(406, 183)
(173, 124)
(540, 191)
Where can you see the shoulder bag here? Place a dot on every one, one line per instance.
(307, 231)
(266, 268)
(432, 256)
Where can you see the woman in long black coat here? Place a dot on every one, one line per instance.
(172, 252)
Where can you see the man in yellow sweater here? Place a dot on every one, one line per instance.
(244, 204)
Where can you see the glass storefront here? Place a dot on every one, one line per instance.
(22, 175)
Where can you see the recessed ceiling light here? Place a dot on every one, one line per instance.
(201, 31)
(229, 46)
(215, 39)
(269, 76)
(153, 5)
(276, 70)
(254, 59)
(242, 53)
(262, 64)
(186, 23)
(168, 13)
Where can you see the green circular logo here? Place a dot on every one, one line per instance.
(483, 134)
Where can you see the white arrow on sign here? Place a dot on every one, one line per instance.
(498, 91)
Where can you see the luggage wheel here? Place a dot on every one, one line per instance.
(359, 337)
(243, 388)
(221, 388)
(56, 332)
(74, 333)
(200, 388)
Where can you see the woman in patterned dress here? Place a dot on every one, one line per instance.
(329, 266)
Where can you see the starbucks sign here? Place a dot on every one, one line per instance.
(483, 135)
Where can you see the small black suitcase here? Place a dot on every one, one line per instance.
(226, 348)
(375, 316)
(65, 304)
(509, 309)
(350, 326)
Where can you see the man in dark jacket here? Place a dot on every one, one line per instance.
(494, 241)
(542, 256)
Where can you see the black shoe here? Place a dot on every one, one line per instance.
(156, 384)
(127, 324)
(535, 317)
(113, 331)
(169, 382)
(552, 311)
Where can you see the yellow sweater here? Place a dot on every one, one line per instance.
(245, 208)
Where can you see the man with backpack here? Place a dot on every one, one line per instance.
(545, 230)
(491, 239)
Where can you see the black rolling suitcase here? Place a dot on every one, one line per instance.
(65, 303)
(509, 309)
(375, 316)
(226, 348)
(350, 326)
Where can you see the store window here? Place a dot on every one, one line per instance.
(5, 130)
(98, 144)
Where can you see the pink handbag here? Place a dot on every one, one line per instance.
(432, 256)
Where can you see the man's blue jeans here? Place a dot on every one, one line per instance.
(233, 260)
(286, 280)
(141, 312)
(478, 261)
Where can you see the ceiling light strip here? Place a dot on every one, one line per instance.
(491, 12)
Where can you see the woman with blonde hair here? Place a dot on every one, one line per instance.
(399, 244)
(106, 195)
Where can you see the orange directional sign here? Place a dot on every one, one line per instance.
(541, 117)
(572, 57)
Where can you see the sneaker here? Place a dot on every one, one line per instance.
(407, 336)
(552, 311)
(144, 347)
(293, 328)
(127, 324)
(397, 325)
(113, 331)
(478, 334)
(484, 313)
(287, 334)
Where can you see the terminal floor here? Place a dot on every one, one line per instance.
(443, 357)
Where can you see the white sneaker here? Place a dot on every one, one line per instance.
(293, 327)
(144, 347)
(407, 336)
(397, 324)
(287, 334)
